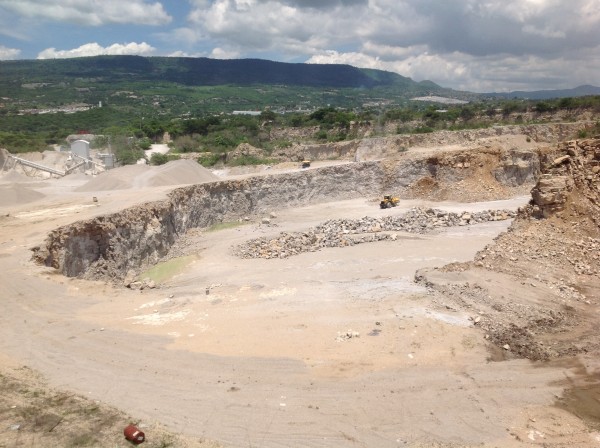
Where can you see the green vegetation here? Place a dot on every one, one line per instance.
(19, 142)
(161, 159)
(193, 100)
(210, 159)
(125, 149)
(162, 272)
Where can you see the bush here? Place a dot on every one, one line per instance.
(158, 159)
(161, 159)
(423, 130)
(210, 160)
(321, 134)
(144, 143)
(186, 143)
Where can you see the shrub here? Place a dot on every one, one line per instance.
(321, 134)
(158, 159)
(144, 143)
(210, 160)
(423, 130)
(186, 143)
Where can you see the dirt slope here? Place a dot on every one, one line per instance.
(552, 253)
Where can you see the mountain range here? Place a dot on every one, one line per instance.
(584, 90)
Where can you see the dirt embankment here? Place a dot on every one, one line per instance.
(110, 246)
(552, 251)
(365, 148)
(377, 148)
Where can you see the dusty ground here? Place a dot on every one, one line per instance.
(333, 348)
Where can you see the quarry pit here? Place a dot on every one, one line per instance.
(471, 325)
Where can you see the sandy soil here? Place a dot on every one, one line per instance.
(333, 348)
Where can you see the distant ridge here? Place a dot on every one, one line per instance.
(584, 90)
(207, 72)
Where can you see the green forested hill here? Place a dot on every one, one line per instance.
(201, 72)
(201, 86)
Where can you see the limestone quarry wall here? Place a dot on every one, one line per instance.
(110, 246)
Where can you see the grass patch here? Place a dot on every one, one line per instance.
(162, 272)
(81, 440)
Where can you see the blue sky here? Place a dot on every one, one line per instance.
(476, 45)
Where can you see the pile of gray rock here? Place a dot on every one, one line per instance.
(348, 232)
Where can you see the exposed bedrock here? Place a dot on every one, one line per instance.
(109, 246)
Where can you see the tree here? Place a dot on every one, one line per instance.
(268, 115)
(125, 151)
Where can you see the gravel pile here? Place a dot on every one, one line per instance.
(348, 232)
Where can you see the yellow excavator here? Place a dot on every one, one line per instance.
(389, 201)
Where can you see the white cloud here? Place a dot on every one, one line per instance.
(91, 12)
(184, 54)
(479, 74)
(220, 53)
(8, 53)
(93, 49)
(356, 59)
(468, 44)
(265, 25)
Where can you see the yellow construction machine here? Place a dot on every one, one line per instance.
(389, 201)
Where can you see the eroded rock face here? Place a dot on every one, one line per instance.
(572, 167)
(111, 246)
(518, 167)
(550, 193)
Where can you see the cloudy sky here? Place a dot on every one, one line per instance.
(476, 45)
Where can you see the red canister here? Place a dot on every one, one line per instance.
(133, 434)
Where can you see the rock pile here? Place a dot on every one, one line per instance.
(348, 232)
